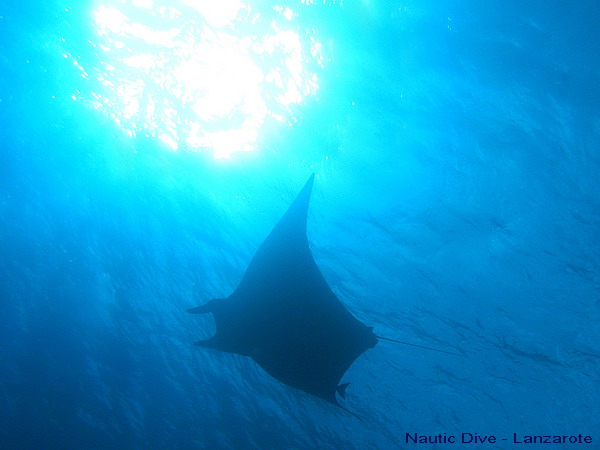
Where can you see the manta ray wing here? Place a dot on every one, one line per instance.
(284, 315)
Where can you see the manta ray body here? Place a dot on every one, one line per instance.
(284, 315)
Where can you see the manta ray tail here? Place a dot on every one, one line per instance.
(336, 403)
(420, 346)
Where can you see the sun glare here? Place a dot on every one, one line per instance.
(202, 75)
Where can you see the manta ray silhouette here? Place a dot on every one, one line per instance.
(285, 317)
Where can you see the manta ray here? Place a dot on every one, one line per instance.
(284, 315)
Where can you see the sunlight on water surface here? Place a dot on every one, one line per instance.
(199, 74)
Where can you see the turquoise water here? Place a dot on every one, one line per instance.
(456, 205)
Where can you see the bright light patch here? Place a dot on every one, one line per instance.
(143, 3)
(201, 74)
(217, 13)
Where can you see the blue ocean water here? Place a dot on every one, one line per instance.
(456, 205)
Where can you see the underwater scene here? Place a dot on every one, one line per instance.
(314, 224)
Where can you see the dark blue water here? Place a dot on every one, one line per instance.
(456, 205)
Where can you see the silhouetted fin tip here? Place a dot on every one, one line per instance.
(307, 189)
(209, 343)
(341, 389)
(204, 309)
